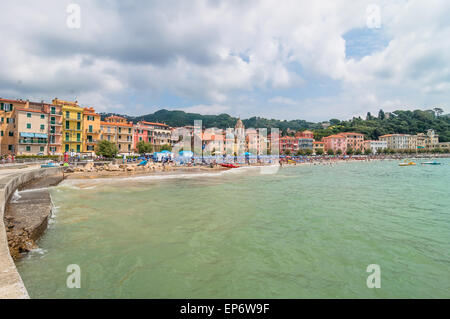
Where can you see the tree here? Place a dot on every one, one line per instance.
(349, 151)
(166, 147)
(358, 152)
(287, 152)
(330, 152)
(319, 151)
(106, 149)
(308, 152)
(438, 111)
(381, 115)
(368, 151)
(368, 116)
(339, 152)
(144, 147)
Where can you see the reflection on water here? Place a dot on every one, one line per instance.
(306, 231)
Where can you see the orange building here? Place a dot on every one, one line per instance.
(118, 130)
(355, 141)
(7, 136)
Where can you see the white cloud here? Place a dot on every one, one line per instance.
(213, 52)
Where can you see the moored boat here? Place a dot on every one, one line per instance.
(229, 165)
(431, 163)
(407, 164)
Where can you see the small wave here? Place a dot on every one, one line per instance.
(34, 190)
(15, 197)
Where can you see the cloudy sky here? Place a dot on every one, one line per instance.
(312, 60)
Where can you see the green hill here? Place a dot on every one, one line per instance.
(405, 122)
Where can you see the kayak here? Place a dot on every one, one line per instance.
(229, 165)
(407, 164)
(431, 163)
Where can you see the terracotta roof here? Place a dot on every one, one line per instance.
(12, 101)
(350, 133)
(115, 124)
(153, 123)
(335, 136)
(29, 110)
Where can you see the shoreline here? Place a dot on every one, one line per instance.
(132, 170)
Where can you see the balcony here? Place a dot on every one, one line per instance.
(72, 119)
(87, 131)
(72, 140)
(73, 129)
(32, 141)
(55, 123)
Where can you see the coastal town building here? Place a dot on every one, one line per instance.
(355, 141)
(443, 145)
(31, 133)
(335, 143)
(72, 117)
(399, 141)
(157, 134)
(318, 147)
(91, 130)
(375, 146)
(7, 133)
(288, 145)
(305, 143)
(118, 130)
(54, 128)
(427, 140)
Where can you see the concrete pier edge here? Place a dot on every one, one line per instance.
(11, 284)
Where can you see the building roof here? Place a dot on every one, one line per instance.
(387, 135)
(350, 133)
(153, 123)
(12, 101)
(335, 136)
(29, 110)
(115, 124)
(239, 124)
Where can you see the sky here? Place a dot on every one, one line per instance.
(284, 59)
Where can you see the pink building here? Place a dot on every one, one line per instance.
(288, 143)
(335, 143)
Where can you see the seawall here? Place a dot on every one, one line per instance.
(11, 284)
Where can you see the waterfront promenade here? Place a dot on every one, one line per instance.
(11, 285)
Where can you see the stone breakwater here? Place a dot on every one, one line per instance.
(29, 223)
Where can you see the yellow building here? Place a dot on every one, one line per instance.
(91, 130)
(72, 126)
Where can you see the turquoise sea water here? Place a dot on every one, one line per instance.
(304, 232)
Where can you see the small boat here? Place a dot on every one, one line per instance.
(229, 165)
(431, 163)
(407, 164)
